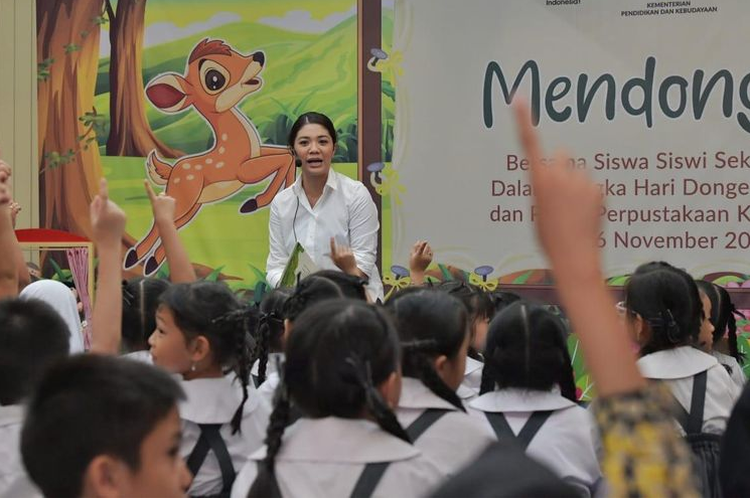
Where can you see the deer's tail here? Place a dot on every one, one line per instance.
(158, 170)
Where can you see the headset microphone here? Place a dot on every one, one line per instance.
(297, 162)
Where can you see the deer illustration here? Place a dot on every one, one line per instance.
(217, 78)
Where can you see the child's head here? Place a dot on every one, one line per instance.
(140, 298)
(31, 337)
(708, 296)
(527, 349)
(663, 308)
(202, 330)
(353, 287)
(271, 327)
(59, 297)
(480, 308)
(722, 317)
(434, 332)
(105, 426)
(308, 292)
(342, 360)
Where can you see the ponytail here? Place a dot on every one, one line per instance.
(265, 484)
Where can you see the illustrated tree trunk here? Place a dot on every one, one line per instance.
(68, 34)
(130, 133)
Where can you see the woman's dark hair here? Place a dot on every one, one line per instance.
(527, 348)
(211, 310)
(722, 316)
(477, 303)
(140, 299)
(353, 287)
(309, 291)
(667, 299)
(430, 323)
(308, 118)
(271, 327)
(338, 355)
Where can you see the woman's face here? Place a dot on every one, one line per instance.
(706, 335)
(314, 147)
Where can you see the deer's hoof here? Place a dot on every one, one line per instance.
(131, 258)
(151, 266)
(249, 206)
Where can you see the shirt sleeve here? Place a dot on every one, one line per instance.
(277, 254)
(643, 456)
(363, 230)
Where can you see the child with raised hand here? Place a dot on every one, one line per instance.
(724, 341)
(33, 336)
(434, 332)
(420, 258)
(105, 427)
(201, 334)
(342, 372)
(528, 395)
(642, 455)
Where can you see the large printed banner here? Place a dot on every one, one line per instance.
(652, 98)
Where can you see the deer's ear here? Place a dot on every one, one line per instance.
(169, 92)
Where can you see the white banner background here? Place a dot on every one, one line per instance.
(448, 159)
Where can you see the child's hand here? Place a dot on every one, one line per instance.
(420, 257)
(107, 219)
(569, 204)
(5, 184)
(162, 205)
(344, 259)
(15, 207)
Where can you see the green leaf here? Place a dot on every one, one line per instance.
(523, 278)
(260, 276)
(728, 279)
(214, 276)
(447, 276)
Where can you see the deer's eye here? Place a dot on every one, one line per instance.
(214, 80)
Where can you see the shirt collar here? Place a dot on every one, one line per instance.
(11, 415)
(679, 362)
(215, 400)
(521, 400)
(414, 394)
(332, 181)
(340, 440)
(472, 365)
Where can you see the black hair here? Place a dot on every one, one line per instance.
(271, 327)
(722, 316)
(477, 303)
(90, 405)
(353, 287)
(32, 336)
(527, 348)
(211, 310)
(667, 299)
(309, 291)
(430, 323)
(501, 299)
(140, 299)
(307, 118)
(338, 354)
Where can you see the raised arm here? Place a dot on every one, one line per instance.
(108, 225)
(8, 243)
(180, 268)
(420, 258)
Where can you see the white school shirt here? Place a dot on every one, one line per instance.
(676, 367)
(345, 211)
(568, 441)
(275, 359)
(737, 375)
(14, 482)
(469, 388)
(454, 440)
(325, 457)
(214, 401)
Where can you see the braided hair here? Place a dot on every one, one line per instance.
(527, 348)
(723, 311)
(271, 327)
(309, 291)
(478, 304)
(140, 298)
(211, 310)
(667, 299)
(430, 323)
(340, 353)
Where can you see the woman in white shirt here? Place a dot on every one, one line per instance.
(331, 216)
(435, 334)
(528, 395)
(342, 374)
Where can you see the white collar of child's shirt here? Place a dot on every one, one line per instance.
(521, 400)
(275, 359)
(340, 440)
(215, 400)
(680, 362)
(472, 365)
(416, 395)
(11, 415)
(332, 182)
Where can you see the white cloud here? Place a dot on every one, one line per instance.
(302, 21)
(158, 33)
